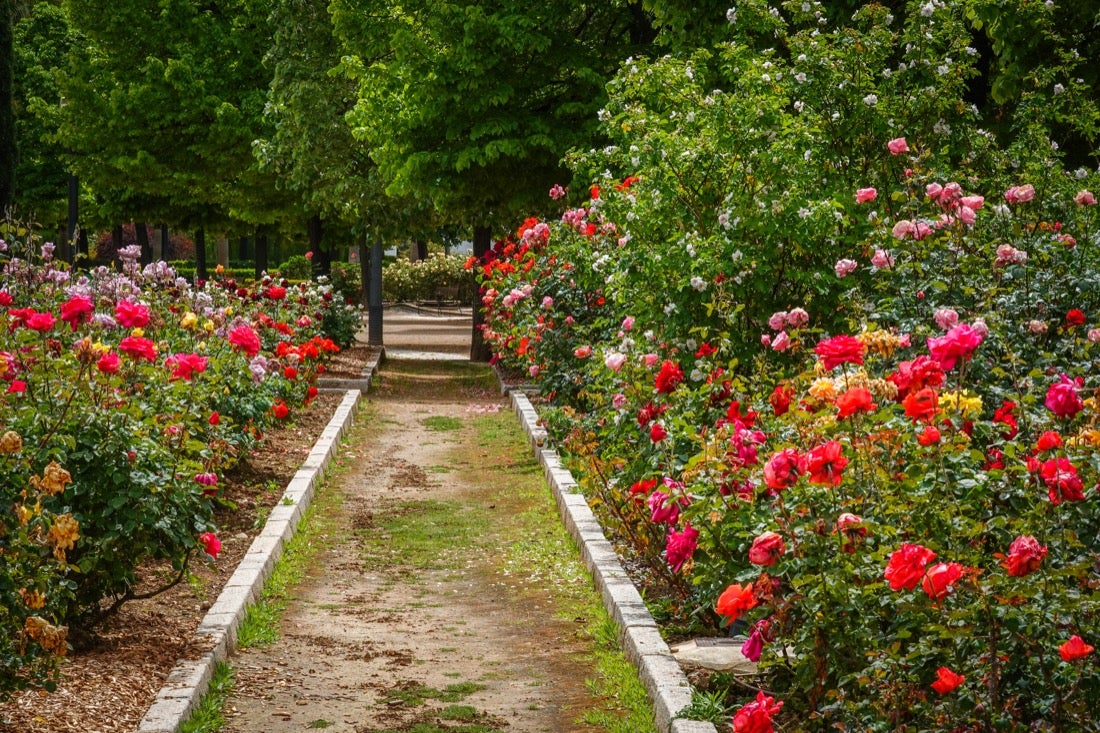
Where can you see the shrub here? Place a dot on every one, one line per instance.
(180, 246)
(439, 277)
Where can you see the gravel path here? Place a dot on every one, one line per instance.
(395, 631)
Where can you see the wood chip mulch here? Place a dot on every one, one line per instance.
(108, 686)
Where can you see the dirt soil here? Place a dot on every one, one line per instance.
(109, 683)
(379, 639)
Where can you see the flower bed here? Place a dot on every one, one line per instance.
(834, 389)
(129, 394)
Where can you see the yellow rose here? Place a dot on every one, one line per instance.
(63, 534)
(54, 479)
(189, 320)
(11, 442)
(138, 333)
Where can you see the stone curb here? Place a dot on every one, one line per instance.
(664, 680)
(327, 384)
(190, 678)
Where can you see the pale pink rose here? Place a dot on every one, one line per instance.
(946, 318)
(897, 146)
(765, 339)
(628, 323)
(951, 193)
(933, 191)
(882, 259)
(649, 360)
(863, 195)
(569, 321)
(1094, 336)
(533, 371)
(1020, 194)
(905, 340)
(614, 361)
(845, 267)
(904, 228)
(777, 321)
(547, 303)
(1009, 255)
(921, 230)
(1037, 327)
(1084, 198)
(966, 215)
(797, 317)
(980, 327)
(618, 401)
(1067, 240)
(973, 202)
(583, 352)
(781, 342)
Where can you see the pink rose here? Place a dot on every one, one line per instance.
(1062, 398)
(882, 259)
(902, 229)
(966, 215)
(1094, 336)
(614, 361)
(972, 202)
(1020, 194)
(1084, 198)
(547, 303)
(781, 342)
(958, 343)
(618, 401)
(897, 146)
(582, 352)
(797, 317)
(680, 546)
(933, 191)
(863, 195)
(946, 318)
(845, 267)
(628, 323)
(777, 321)
(650, 360)
(1036, 327)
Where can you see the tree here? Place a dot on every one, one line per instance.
(472, 106)
(7, 114)
(162, 106)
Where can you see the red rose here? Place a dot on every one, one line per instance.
(856, 399)
(780, 399)
(929, 436)
(1062, 481)
(668, 378)
(1004, 415)
(825, 462)
(1025, 555)
(131, 315)
(939, 580)
(280, 410)
(657, 433)
(906, 566)
(756, 717)
(841, 349)
(138, 348)
(1075, 317)
(946, 680)
(1075, 648)
(1048, 441)
(783, 469)
(766, 549)
(922, 404)
(734, 601)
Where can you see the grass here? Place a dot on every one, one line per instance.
(208, 716)
(442, 422)
(422, 535)
(545, 556)
(260, 626)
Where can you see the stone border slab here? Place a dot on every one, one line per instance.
(362, 383)
(190, 678)
(665, 682)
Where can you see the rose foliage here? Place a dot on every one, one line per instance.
(823, 354)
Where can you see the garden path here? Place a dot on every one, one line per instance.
(409, 617)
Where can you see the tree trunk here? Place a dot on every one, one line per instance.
(322, 259)
(374, 313)
(74, 215)
(200, 254)
(141, 232)
(7, 113)
(261, 254)
(116, 239)
(364, 271)
(479, 350)
(166, 252)
(418, 250)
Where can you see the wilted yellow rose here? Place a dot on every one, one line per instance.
(11, 442)
(54, 479)
(63, 534)
(52, 638)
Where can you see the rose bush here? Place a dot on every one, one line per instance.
(123, 396)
